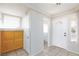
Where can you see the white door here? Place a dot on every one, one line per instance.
(60, 32)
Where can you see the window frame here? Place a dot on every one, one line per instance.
(2, 19)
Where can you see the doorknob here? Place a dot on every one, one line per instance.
(64, 35)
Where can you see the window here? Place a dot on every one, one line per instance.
(73, 28)
(45, 24)
(0, 21)
(45, 28)
(11, 22)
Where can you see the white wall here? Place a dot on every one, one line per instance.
(26, 27)
(36, 29)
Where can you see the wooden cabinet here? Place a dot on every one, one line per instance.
(11, 40)
(0, 42)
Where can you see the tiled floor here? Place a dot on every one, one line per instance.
(48, 51)
(19, 52)
(56, 51)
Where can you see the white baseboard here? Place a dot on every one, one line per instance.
(73, 51)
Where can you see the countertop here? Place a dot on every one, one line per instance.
(11, 30)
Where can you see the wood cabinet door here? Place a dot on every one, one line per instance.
(7, 41)
(19, 39)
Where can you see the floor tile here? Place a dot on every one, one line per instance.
(56, 51)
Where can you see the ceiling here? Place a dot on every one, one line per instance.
(17, 9)
(52, 8)
(20, 9)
